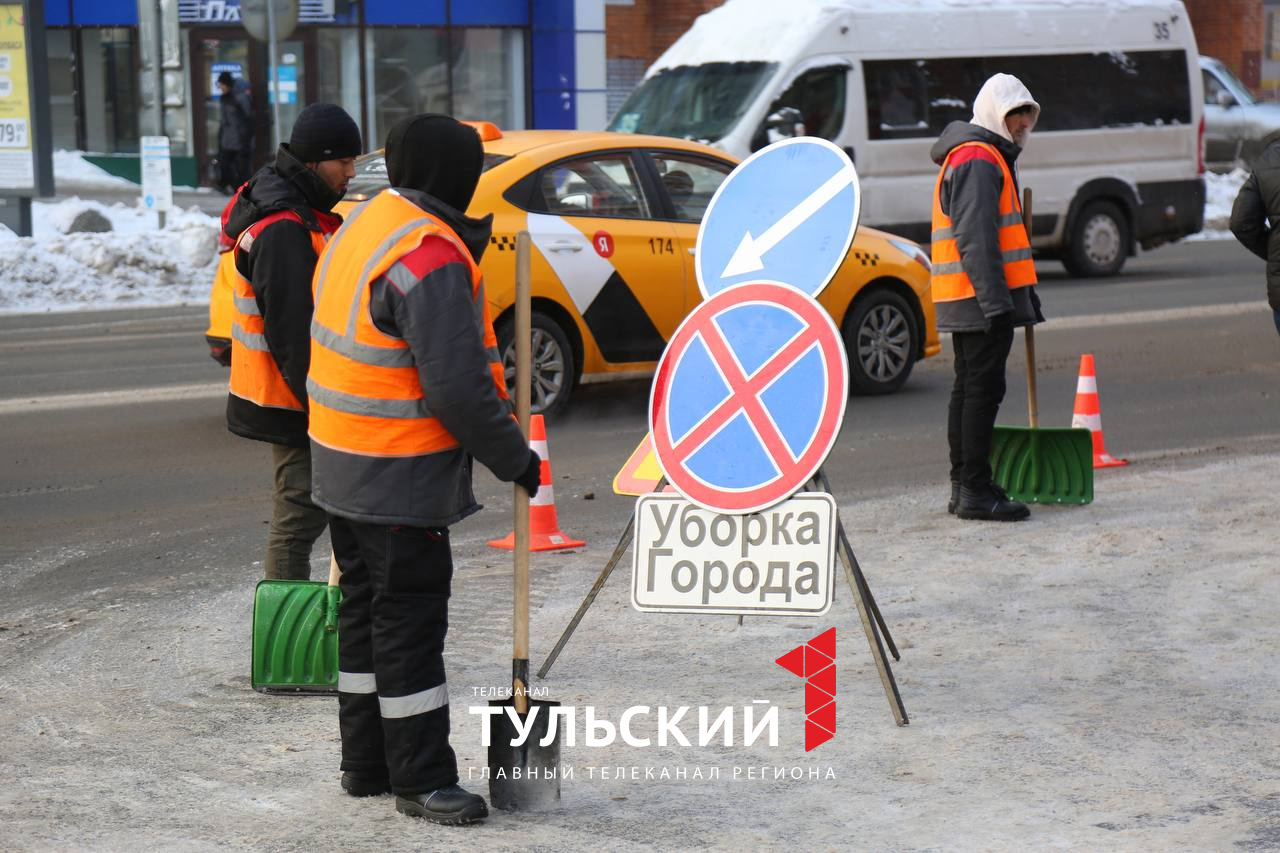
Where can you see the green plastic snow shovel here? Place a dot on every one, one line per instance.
(1036, 464)
(295, 635)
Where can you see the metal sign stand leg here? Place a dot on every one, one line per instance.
(624, 542)
(866, 606)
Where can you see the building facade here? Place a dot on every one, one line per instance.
(519, 63)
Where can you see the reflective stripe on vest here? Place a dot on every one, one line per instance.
(255, 376)
(949, 280)
(364, 388)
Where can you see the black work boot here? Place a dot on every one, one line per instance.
(360, 785)
(452, 805)
(955, 498)
(989, 503)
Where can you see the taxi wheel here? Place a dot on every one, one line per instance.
(881, 339)
(553, 368)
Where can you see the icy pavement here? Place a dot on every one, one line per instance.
(1101, 677)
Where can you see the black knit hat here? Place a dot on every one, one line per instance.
(324, 132)
(226, 79)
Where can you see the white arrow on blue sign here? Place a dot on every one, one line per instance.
(787, 213)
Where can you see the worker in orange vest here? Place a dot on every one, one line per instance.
(280, 222)
(406, 387)
(983, 280)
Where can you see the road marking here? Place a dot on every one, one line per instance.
(97, 339)
(163, 394)
(1156, 315)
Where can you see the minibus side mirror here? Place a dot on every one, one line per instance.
(784, 123)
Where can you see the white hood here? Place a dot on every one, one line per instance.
(997, 97)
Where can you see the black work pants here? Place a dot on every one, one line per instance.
(975, 399)
(393, 703)
(233, 168)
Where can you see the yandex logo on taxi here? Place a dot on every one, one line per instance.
(815, 662)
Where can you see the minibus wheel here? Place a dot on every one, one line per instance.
(881, 339)
(1099, 241)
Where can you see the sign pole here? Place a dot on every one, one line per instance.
(273, 73)
(158, 70)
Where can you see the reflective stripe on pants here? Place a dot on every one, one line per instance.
(391, 625)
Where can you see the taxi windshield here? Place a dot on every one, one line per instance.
(701, 102)
(371, 174)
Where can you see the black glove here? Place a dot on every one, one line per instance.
(532, 476)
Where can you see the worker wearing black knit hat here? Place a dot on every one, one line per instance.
(280, 222)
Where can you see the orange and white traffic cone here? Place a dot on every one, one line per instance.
(1088, 413)
(544, 528)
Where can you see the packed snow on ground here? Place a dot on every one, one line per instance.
(134, 264)
(1101, 677)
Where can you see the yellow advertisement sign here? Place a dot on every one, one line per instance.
(17, 167)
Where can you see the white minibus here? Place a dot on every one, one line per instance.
(1115, 162)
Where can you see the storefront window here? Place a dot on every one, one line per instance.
(488, 76)
(408, 73)
(338, 71)
(110, 97)
(62, 88)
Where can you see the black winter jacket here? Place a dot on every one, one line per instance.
(235, 120)
(970, 195)
(280, 265)
(1258, 203)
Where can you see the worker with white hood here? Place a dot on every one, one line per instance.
(983, 281)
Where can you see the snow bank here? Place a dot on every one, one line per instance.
(135, 264)
(71, 170)
(1219, 194)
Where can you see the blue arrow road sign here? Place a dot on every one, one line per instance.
(787, 214)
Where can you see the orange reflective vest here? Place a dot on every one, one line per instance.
(950, 282)
(364, 388)
(255, 376)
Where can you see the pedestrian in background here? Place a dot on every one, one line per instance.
(280, 222)
(235, 132)
(406, 387)
(1255, 214)
(983, 280)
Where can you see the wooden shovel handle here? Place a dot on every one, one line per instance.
(1028, 333)
(523, 344)
(334, 572)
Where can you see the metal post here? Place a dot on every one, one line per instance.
(157, 68)
(273, 91)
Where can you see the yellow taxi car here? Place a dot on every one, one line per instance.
(614, 219)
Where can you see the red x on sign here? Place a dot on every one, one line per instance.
(749, 397)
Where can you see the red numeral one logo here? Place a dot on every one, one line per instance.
(815, 662)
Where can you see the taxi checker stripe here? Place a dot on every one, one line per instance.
(398, 707)
(744, 394)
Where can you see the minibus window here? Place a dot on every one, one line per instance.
(701, 102)
(917, 98)
(819, 96)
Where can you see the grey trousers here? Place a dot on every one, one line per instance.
(296, 522)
